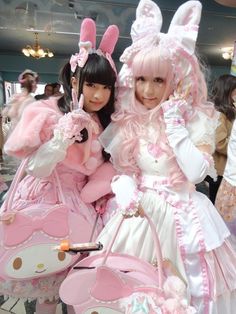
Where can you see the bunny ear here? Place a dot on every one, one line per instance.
(88, 34)
(109, 39)
(148, 20)
(184, 24)
(109, 286)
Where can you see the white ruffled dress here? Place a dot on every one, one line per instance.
(193, 236)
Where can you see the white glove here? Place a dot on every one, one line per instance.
(72, 123)
(191, 160)
(127, 194)
(49, 154)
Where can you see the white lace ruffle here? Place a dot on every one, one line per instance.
(202, 129)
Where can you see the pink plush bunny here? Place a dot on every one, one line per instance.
(175, 301)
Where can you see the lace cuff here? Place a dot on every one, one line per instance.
(127, 194)
(211, 171)
(132, 208)
(72, 123)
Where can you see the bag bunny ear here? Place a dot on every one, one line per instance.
(148, 20)
(87, 34)
(184, 25)
(109, 39)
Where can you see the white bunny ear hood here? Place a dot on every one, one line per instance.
(148, 20)
(184, 25)
(177, 46)
(146, 29)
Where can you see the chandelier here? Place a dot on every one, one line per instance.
(227, 53)
(36, 51)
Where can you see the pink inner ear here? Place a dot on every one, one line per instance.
(188, 13)
(88, 31)
(109, 286)
(109, 39)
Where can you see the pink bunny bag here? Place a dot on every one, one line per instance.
(29, 235)
(112, 283)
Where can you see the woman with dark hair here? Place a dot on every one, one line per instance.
(60, 137)
(96, 70)
(56, 89)
(222, 95)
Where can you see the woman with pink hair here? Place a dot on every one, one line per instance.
(161, 140)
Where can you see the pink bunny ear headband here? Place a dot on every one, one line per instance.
(145, 32)
(87, 44)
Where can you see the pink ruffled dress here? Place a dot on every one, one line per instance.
(35, 128)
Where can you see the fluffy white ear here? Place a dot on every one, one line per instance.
(185, 23)
(148, 20)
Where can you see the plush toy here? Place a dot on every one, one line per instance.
(175, 297)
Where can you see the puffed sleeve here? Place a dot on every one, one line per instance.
(34, 128)
(202, 129)
(222, 135)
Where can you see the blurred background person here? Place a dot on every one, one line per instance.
(57, 89)
(226, 195)
(223, 94)
(19, 101)
(1, 136)
(48, 92)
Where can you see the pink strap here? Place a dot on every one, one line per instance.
(60, 193)
(12, 190)
(157, 248)
(16, 180)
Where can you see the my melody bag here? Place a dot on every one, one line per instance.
(113, 283)
(29, 235)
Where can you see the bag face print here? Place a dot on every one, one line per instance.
(27, 249)
(29, 236)
(120, 283)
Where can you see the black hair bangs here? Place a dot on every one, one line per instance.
(98, 70)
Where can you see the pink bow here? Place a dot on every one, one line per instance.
(79, 59)
(154, 150)
(54, 224)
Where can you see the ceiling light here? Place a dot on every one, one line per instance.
(227, 53)
(36, 51)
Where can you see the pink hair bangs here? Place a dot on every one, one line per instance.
(152, 62)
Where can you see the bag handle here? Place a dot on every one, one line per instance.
(12, 190)
(157, 247)
(16, 180)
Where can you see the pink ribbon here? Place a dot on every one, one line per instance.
(110, 60)
(54, 224)
(79, 59)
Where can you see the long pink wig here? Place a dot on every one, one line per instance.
(155, 54)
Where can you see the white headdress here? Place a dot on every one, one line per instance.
(179, 41)
(178, 49)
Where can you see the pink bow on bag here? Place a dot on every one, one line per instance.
(54, 224)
